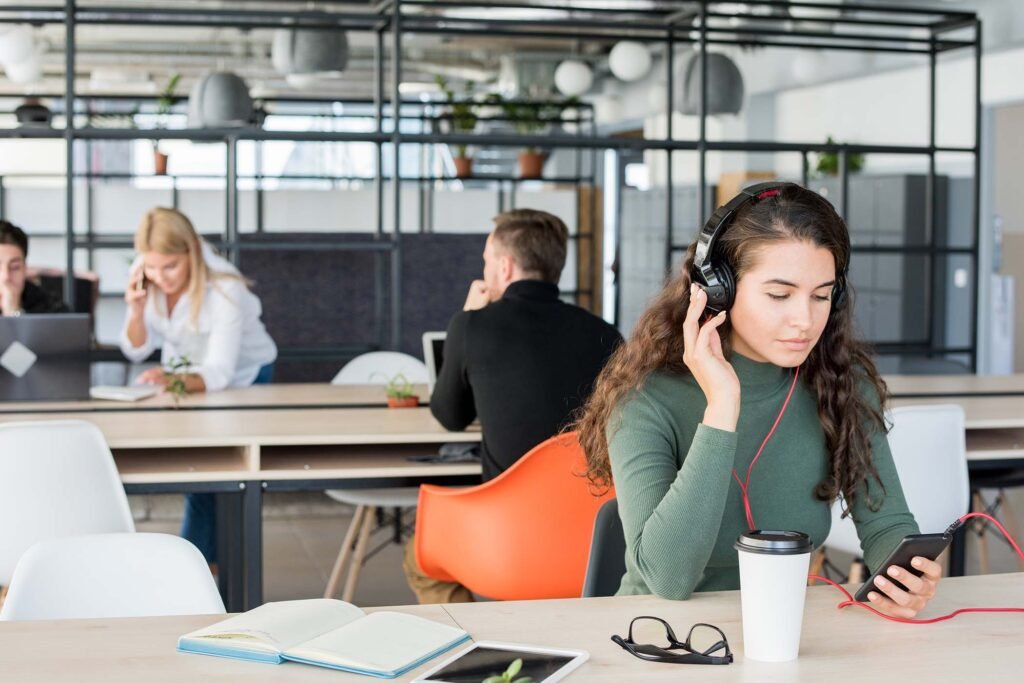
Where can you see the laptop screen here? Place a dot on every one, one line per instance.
(44, 357)
(433, 355)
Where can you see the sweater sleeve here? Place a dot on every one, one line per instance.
(670, 515)
(451, 402)
(880, 512)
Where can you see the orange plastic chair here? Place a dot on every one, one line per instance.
(524, 535)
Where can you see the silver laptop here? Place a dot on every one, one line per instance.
(433, 356)
(44, 357)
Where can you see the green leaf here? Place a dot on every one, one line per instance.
(494, 679)
(514, 668)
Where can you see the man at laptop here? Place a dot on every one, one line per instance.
(516, 356)
(18, 295)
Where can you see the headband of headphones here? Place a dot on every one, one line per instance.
(724, 215)
(715, 275)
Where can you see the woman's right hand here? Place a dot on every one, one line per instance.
(704, 357)
(135, 293)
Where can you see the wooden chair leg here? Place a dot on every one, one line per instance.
(817, 563)
(1010, 521)
(857, 571)
(345, 551)
(979, 506)
(360, 554)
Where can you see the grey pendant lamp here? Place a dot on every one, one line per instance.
(725, 86)
(309, 54)
(220, 100)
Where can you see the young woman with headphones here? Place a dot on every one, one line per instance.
(742, 395)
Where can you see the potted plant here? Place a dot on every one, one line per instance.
(509, 674)
(175, 373)
(462, 114)
(400, 394)
(164, 102)
(828, 162)
(532, 118)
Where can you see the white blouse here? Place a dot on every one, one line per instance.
(228, 345)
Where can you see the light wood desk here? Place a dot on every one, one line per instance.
(267, 396)
(245, 452)
(920, 386)
(837, 646)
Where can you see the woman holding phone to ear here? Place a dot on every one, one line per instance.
(191, 303)
(743, 398)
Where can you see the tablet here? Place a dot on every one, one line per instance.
(489, 658)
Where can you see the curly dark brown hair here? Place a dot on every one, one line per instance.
(835, 370)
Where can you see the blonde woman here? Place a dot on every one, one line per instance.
(189, 302)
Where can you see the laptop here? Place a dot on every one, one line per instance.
(433, 356)
(45, 357)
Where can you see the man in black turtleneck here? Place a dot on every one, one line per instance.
(516, 356)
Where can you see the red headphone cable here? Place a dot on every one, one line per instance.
(952, 527)
(745, 485)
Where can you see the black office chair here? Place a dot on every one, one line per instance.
(607, 563)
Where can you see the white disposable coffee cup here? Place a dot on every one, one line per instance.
(773, 584)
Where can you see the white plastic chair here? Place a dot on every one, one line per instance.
(929, 448)
(111, 575)
(376, 367)
(57, 478)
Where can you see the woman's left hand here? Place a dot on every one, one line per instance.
(152, 376)
(920, 589)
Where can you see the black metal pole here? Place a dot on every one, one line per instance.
(396, 187)
(702, 141)
(231, 201)
(977, 196)
(669, 134)
(378, 189)
(932, 299)
(69, 150)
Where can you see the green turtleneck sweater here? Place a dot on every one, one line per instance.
(681, 508)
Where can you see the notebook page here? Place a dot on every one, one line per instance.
(277, 626)
(387, 642)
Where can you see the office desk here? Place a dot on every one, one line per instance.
(259, 396)
(938, 386)
(245, 452)
(837, 646)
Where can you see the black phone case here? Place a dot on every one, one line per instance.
(914, 545)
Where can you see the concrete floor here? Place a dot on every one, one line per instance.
(303, 532)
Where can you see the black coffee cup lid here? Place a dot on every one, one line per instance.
(774, 542)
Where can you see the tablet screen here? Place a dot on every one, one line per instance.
(481, 662)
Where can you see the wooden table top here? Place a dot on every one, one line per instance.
(849, 645)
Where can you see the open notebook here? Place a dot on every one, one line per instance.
(328, 633)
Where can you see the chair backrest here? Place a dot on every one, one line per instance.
(57, 478)
(377, 367)
(111, 575)
(607, 563)
(929, 448)
(523, 535)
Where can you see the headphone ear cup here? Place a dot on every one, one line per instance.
(722, 295)
(839, 295)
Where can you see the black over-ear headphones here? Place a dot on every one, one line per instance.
(715, 275)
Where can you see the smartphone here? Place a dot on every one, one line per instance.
(914, 545)
(142, 283)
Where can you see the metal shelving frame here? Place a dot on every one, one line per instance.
(877, 28)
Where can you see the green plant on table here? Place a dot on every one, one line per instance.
(828, 162)
(509, 675)
(176, 373)
(399, 386)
